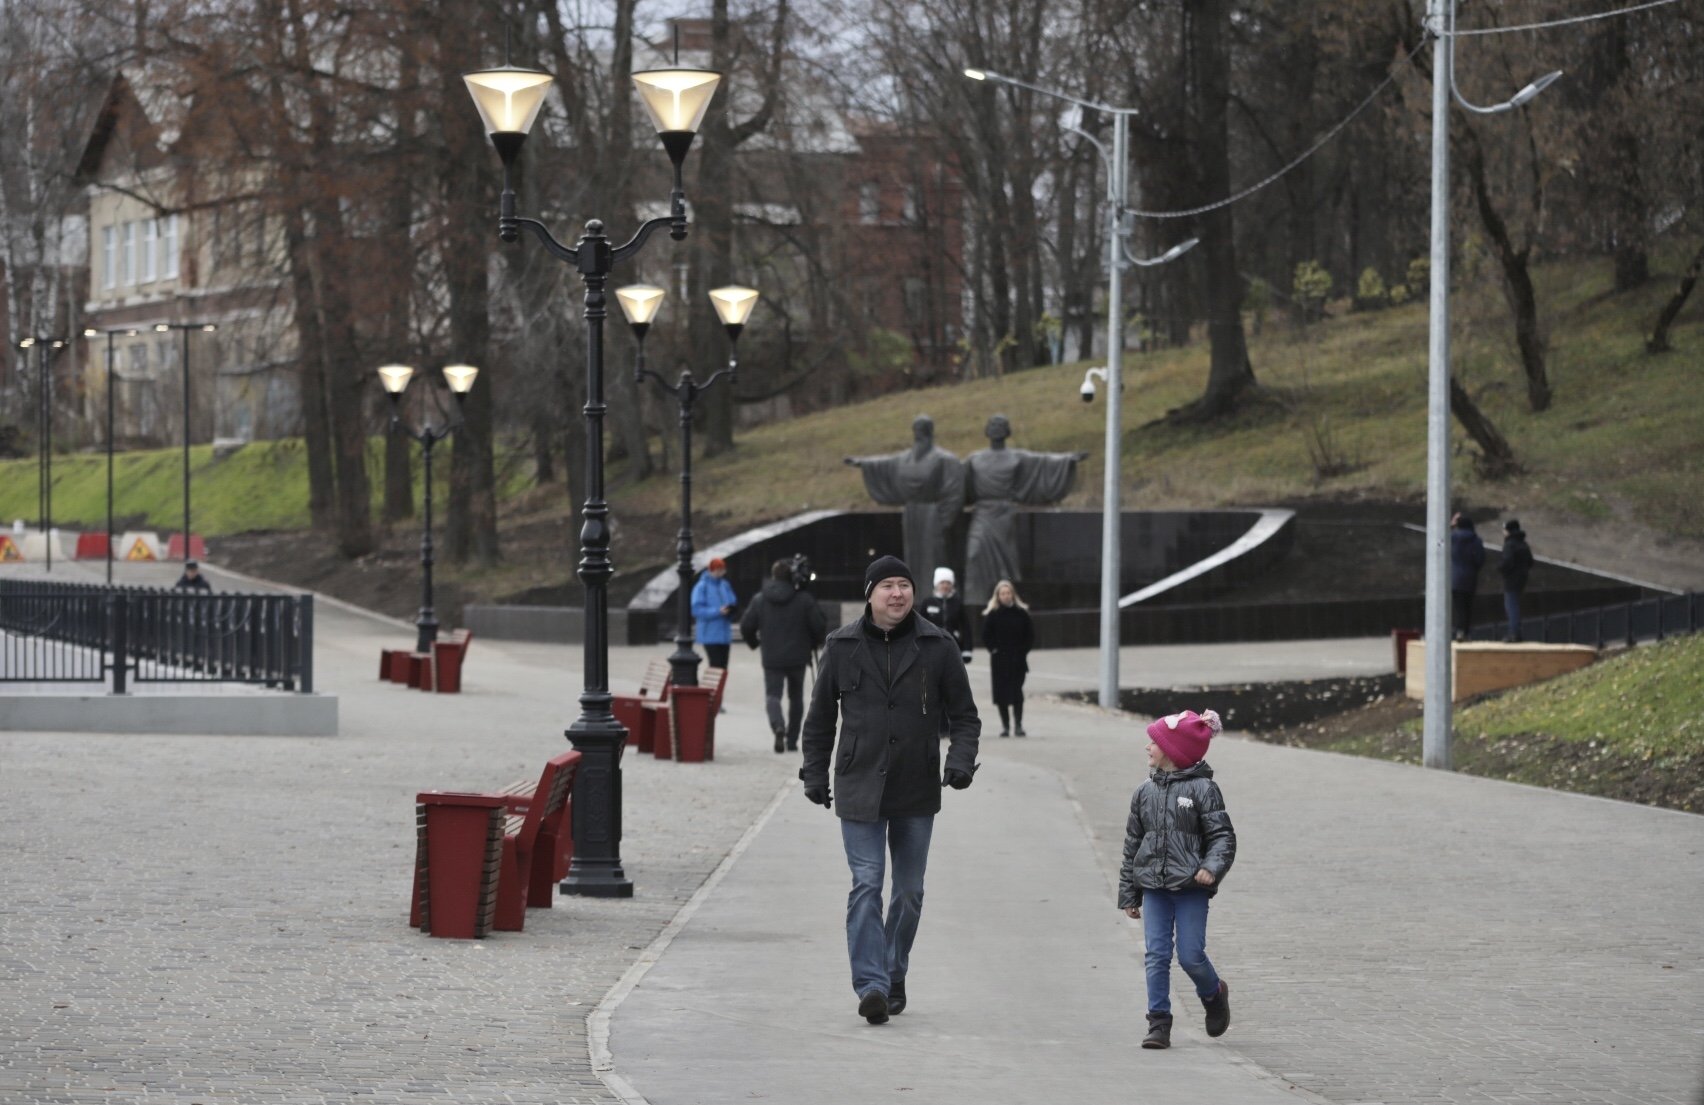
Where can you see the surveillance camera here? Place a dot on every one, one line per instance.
(1087, 391)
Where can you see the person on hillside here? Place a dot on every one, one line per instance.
(192, 579)
(945, 607)
(1467, 556)
(1178, 847)
(787, 623)
(884, 679)
(1515, 566)
(1007, 634)
(712, 608)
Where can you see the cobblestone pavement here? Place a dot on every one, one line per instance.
(210, 919)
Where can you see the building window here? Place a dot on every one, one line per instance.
(109, 255)
(129, 253)
(150, 251)
(163, 354)
(139, 361)
(869, 203)
(169, 247)
(909, 211)
(915, 298)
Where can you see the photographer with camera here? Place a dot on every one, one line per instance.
(786, 622)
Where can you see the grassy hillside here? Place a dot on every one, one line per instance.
(1624, 438)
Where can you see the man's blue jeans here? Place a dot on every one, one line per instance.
(881, 950)
(1185, 912)
(1512, 611)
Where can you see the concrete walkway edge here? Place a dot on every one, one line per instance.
(598, 1021)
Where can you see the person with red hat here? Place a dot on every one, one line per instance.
(712, 608)
(1178, 846)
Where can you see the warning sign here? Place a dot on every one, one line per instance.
(139, 550)
(8, 551)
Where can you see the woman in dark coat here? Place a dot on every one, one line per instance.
(1007, 635)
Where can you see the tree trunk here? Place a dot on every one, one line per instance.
(470, 187)
(399, 215)
(1495, 457)
(1230, 373)
(1659, 339)
(1517, 279)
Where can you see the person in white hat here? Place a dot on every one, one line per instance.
(946, 609)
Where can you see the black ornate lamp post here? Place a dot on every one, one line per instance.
(509, 99)
(640, 302)
(395, 378)
(185, 327)
(111, 375)
(44, 443)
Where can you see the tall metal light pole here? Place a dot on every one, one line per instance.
(1118, 258)
(508, 100)
(395, 378)
(111, 376)
(640, 302)
(44, 437)
(1438, 724)
(186, 327)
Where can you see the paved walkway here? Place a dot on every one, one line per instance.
(208, 919)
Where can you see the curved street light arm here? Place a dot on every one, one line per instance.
(508, 224)
(1525, 95)
(1105, 155)
(1171, 254)
(1095, 105)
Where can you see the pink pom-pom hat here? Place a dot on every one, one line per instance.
(1184, 737)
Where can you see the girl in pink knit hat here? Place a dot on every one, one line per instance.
(1178, 845)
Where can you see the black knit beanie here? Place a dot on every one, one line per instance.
(885, 567)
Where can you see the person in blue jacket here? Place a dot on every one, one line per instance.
(713, 607)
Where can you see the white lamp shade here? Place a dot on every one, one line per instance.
(395, 377)
(460, 377)
(640, 302)
(734, 304)
(677, 98)
(508, 98)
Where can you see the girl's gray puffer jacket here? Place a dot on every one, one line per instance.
(1178, 826)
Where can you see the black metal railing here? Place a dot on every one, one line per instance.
(1624, 623)
(55, 633)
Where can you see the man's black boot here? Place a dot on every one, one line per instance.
(1159, 1031)
(873, 1007)
(780, 740)
(896, 995)
(1218, 1010)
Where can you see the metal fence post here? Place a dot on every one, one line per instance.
(119, 642)
(305, 642)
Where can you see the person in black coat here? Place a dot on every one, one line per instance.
(881, 682)
(192, 579)
(1467, 556)
(787, 622)
(1007, 634)
(1514, 567)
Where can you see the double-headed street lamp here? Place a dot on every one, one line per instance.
(395, 378)
(185, 327)
(111, 375)
(640, 303)
(1435, 739)
(1119, 258)
(508, 99)
(44, 436)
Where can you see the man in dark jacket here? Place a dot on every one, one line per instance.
(1467, 556)
(1515, 566)
(787, 622)
(192, 579)
(887, 676)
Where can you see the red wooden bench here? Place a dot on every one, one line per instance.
(505, 848)
(692, 717)
(629, 709)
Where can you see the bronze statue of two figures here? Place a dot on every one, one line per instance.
(933, 486)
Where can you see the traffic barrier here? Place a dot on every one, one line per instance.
(34, 545)
(93, 546)
(139, 545)
(197, 547)
(9, 551)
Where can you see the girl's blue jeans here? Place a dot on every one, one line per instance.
(1176, 918)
